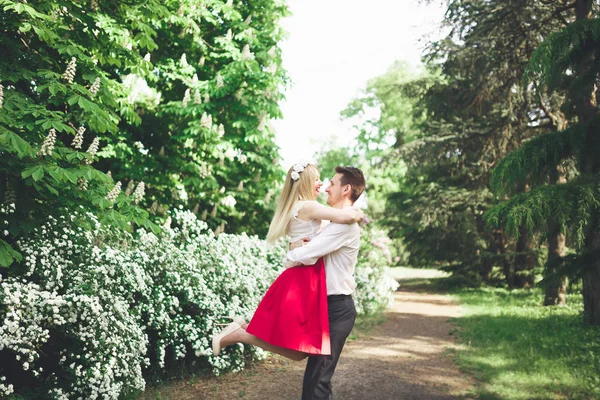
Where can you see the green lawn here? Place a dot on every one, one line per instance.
(518, 349)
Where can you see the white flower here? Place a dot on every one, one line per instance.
(206, 121)
(295, 176)
(197, 97)
(229, 201)
(230, 153)
(271, 69)
(83, 184)
(248, 19)
(246, 53)
(221, 131)
(262, 123)
(299, 167)
(78, 140)
(1, 95)
(206, 98)
(93, 149)
(138, 194)
(186, 97)
(48, 144)
(114, 193)
(220, 81)
(95, 87)
(229, 35)
(183, 60)
(201, 61)
(272, 52)
(147, 57)
(242, 158)
(69, 73)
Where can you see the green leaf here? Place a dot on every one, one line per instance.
(8, 254)
(38, 174)
(13, 143)
(30, 171)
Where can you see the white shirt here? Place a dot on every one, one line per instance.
(338, 244)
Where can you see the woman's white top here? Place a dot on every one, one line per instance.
(299, 229)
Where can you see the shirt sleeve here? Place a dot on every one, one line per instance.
(332, 238)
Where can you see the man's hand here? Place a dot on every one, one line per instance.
(360, 215)
(299, 243)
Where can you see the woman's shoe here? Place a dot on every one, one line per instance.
(237, 319)
(216, 340)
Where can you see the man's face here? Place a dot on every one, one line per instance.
(335, 190)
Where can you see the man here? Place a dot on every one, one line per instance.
(338, 244)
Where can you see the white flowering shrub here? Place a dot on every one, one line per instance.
(93, 311)
(374, 285)
(93, 308)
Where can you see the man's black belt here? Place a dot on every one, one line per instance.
(338, 297)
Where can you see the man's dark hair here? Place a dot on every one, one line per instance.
(353, 177)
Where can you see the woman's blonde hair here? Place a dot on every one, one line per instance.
(293, 191)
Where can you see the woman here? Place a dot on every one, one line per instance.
(292, 318)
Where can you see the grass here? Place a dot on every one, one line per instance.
(518, 349)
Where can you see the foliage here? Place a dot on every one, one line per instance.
(374, 286)
(116, 75)
(519, 349)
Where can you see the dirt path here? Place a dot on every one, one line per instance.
(403, 358)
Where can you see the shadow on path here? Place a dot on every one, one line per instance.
(403, 358)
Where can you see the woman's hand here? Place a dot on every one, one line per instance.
(299, 243)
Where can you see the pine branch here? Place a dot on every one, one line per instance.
(556, 54)
(535, 158)
(571, 204)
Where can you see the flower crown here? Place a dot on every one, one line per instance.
(298, 167)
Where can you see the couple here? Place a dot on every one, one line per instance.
(308, 311)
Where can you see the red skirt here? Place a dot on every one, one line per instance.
(293, 314)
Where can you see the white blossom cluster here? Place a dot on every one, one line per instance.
(93, 149)
(186, 97)
(219, 81)
(138, 193)
(229, 201)
(69, 73)
(114, 193)
(197, 97)
(118, 304)
(95, 87)
(246, 53)
(48, 144)
(1, 95)
(78, 139)
(206, 121)
(374, 285)
(5, 210)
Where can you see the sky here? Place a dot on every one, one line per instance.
(333, 48)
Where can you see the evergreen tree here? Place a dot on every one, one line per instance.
(477, 113)
(569, 57)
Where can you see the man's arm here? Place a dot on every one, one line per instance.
(332, 238)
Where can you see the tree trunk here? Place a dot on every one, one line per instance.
(524, 263)
(591, 278)
(585, 106)
(556, 287)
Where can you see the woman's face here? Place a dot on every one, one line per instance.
(317, 185)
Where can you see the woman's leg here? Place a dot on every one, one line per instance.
(241, 336)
